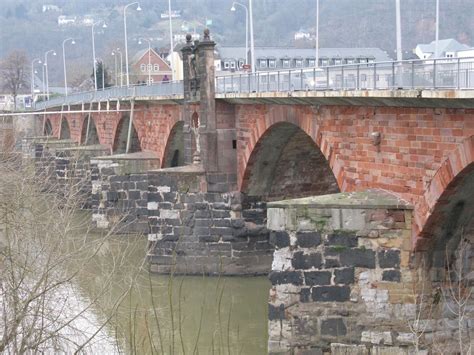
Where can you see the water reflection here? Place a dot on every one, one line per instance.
(155, 314)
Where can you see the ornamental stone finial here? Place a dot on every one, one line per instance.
(207, 36)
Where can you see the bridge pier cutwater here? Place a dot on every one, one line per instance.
(357, 203)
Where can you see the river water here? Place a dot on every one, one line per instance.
(154, 314)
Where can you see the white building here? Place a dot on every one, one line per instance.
(49, 7)
(302, 35)
(66, 20)
(447, 48)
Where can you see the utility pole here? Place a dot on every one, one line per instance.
(317, 34)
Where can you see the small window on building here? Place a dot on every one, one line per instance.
(262, 63)
(150, 67)
(286, 63)
(241, 63)
(298, 63)
(311, 62)
(143, 67)
(350, 61)
(226, 65)
(232, 65)
(337, 61)
(325, 62)
(156, 67)
(272, 63)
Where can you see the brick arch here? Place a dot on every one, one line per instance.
(252, 127)
(173, 154)
(93, 136)
(65, 131)
(442, 191)
(121, 134)
(48, 127)
(287, 163)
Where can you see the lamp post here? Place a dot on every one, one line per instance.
(246, 27)
(125, 35)
(46, 70)
(316, 59)
(436, 54)
(64, 61)
(33, 76)
(140, 41)
(171, 39)
(93, 50)
(252, 44)
(115, 71)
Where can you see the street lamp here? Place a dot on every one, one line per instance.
(140, 41)
(33, 76)
(252, 44)
(317, 35)
(125, 35)
(171, 39)
(436, 54)
(121, 64)
(46, 71)
(64, 61)
(93, 50)
(246, 27)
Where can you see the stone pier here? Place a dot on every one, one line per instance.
(341, 275)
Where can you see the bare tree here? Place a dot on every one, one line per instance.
(14, 73)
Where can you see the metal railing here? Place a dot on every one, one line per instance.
(172, 88)
(446, 73)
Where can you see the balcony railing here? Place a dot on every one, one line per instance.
(432, 74)
(172, 88)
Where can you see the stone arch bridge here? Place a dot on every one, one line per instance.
(370, 178)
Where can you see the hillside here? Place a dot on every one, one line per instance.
(344, 23)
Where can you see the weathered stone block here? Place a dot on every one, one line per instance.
(280, 239)
(306, 261)
(286, 277)
(331, 293)
(334, 327)
(305, 295)
(389, 258)
(317, 278)
(308, 240)
(358, 258)
(344, 276)
(276, 312)
(391, 275)
(342, 238)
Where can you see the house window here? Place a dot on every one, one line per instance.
(241, 63)
(262, 63)
(311, 62)
(324, 62)
(150, 67)
(226, 65)
(350, 61)
(143, 67)
(156, 67)
(232, 65)
(337, 61)
(272, 63)
(286, 63)
(449, 55)
(298, 63)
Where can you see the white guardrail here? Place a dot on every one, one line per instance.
(428, 74)
(450, 73)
